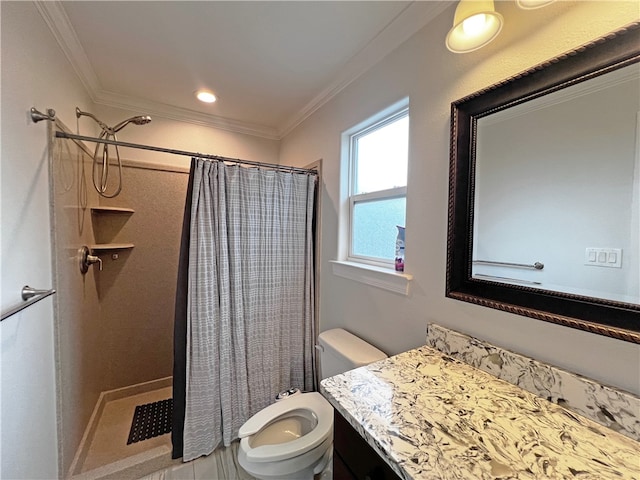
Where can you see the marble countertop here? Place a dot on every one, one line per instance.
(433, 417)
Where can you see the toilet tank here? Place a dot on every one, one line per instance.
(341, 351)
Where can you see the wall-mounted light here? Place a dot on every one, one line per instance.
(475, 24)
(532, 4)
(205, 96)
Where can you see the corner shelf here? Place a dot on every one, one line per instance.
(103, 219)
(100, 210)
(103, 247)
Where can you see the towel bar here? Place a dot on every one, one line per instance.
(30, 296)
(534, 266)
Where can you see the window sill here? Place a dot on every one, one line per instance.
(380, 277)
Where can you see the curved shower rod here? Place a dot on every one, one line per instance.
(37, 116)
(185, 153)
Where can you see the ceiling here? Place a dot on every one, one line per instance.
(271, 64)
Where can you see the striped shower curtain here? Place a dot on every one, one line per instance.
(245, 324)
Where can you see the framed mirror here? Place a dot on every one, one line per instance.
(544, 191)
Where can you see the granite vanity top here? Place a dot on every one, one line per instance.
(433, 417)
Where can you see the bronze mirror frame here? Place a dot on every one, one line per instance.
(605, 317)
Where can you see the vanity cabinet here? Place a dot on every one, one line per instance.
(353, 458)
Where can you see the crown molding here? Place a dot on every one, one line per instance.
(186, 115)
(400, 29)
(58, 22)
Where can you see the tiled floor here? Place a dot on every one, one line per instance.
(220, 465)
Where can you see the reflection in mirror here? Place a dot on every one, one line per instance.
(544, 191)
(557, 182)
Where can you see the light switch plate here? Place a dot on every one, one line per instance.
(603, 257)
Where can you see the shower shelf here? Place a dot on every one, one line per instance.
(101, 247)
(99, 210)
(100, 215)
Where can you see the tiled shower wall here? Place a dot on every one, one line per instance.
(80, 363)
(114, 327)
(137, 290)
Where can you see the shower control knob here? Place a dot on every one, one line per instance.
(85, 259)
(91, 259)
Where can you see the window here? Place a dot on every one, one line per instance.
(378, 157)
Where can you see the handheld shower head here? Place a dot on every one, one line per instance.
(141, 120)
(138, 120)
(109, 133)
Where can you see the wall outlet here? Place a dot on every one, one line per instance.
(603, 257)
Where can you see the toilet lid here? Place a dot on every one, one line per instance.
(313, 402)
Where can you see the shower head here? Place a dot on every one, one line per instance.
(108, 134)
(138, 120)
(141, 120)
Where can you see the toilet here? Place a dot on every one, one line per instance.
(293, 437)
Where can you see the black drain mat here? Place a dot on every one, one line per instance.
(151, 420)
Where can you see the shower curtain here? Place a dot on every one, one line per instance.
(244, 326)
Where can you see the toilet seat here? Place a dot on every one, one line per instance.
(307, 404)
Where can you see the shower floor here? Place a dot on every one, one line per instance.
(106, 454)
(108, 457)
(109, 442)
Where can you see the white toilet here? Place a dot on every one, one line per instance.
(293, 438)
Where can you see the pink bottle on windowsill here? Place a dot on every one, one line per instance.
(400, 249)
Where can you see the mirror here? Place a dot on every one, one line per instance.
(544, 195)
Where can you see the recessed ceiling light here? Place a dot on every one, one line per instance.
(205, 96)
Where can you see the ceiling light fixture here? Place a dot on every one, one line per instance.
(205, 96)
(475, 24)
(533, 4)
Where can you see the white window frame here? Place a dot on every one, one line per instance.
(383, 277)
(397, 192)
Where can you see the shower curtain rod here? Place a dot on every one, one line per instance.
(72, 136)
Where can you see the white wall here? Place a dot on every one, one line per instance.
(432, 78)
(34, 73)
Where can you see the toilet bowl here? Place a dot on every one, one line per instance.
(290, 439)
(293, 438)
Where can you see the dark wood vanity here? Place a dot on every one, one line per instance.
(353, 458)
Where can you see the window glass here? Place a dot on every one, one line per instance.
(381, 157)
(374, 227)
